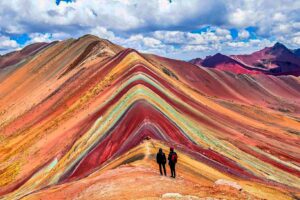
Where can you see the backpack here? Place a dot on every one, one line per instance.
(174, 158)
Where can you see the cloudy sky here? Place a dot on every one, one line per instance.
(181, 29)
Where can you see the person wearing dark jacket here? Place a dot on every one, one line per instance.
(161, 161)
(172, 161)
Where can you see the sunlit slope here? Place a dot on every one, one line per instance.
(67, 115)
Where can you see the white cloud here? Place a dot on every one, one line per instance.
(296, 40)
(61, 36)
(19, 16)
(212, 36)
(6, 44)
(240, 17)
(222, 32)
(151, 42)
(143, 43)
(190, 48)
(243, 34)
(103, 33)
(279, 17)
(271, 18)
(115, 15)
(155, 25)
(171, 37)
(39, 37)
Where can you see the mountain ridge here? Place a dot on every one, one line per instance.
(275, 60)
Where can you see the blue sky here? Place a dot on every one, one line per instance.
(181, 29)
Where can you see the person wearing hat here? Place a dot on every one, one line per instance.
(161, 161)
(172, 161)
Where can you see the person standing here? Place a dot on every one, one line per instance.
(161, 161)
(172, 161)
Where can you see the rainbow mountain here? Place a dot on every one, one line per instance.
(83, 119)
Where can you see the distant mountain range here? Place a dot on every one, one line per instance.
(275, 60)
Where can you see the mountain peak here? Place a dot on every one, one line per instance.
(196, 61)
(89, 36)
(278, 49)
(219, 55)
(218, 58)
(279, 45)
